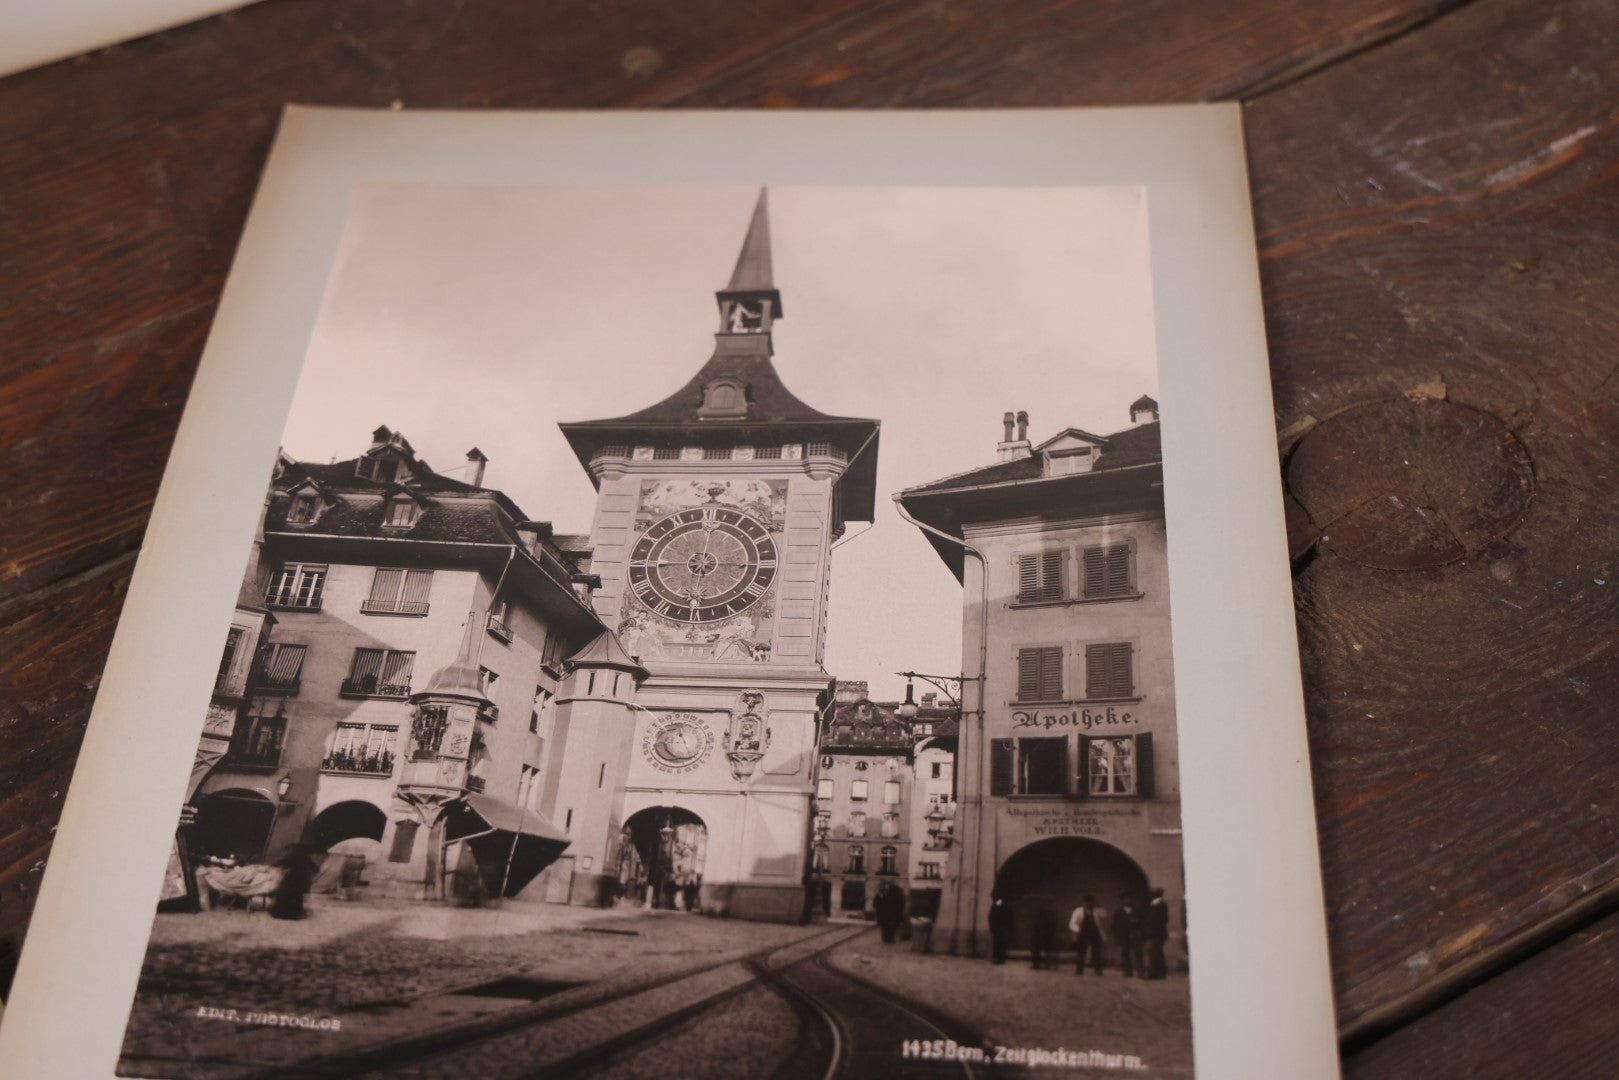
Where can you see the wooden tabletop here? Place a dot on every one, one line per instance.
(1437, 196)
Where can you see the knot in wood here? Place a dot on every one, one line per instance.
(1403, 484)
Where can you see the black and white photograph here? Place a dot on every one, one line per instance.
(698, 631)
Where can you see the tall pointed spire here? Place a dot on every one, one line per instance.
(751, 303)
(752, 273)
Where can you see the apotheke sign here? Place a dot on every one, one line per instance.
(1084, 719)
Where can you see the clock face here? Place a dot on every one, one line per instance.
(703, 565)
(677, 743)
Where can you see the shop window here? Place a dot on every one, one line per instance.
(1110, 670)
(1040, 578)
(1039, 673)
(1117, 765)
(1032, 766)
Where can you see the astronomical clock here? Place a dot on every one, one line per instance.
(703, 569)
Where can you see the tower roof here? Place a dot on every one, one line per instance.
(608, 652)
(753, 272)
(768, 414)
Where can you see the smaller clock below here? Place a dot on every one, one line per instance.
(677, 742)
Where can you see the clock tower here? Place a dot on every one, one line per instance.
(715, 517)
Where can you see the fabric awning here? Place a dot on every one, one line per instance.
(477, 814)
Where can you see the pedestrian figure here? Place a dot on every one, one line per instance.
(890, 909)
(1156, 931)
(1127, 932)
(1043, 945)
(297, 875)
(1086, 925)
(1000, 928)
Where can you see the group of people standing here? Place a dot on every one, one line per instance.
(1136, 933)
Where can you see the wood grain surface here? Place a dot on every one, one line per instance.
(1434, 186)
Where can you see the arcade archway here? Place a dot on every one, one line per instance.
(660, 856)
(1055, 875)
(349, 820)
(234, 823)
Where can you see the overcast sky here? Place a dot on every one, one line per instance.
(482, 316)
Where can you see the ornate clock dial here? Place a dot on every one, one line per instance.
(703, 565)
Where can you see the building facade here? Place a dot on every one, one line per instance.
(716, 513)
(863, 830)
(396, 709)
(1068, 762)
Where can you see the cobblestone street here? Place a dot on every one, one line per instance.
(417, 991)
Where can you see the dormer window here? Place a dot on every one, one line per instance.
(304, 509)
(1066, 462)
(724, 399)
(401, 513)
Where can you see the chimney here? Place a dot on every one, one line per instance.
(478, 459)
(1143, 410)
(1010, 448)
(851, 690)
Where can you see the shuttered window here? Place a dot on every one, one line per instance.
(1116, 765)
(1110, 670)
(1039, 673)
(282, 665)
(1108, 571)
(398, 592)
(1002, 766)
(1039, 577)
(380, 673)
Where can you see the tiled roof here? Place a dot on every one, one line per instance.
(1137, 445)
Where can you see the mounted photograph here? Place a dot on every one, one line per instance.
(670, 721)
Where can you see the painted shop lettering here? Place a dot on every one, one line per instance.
(1085, 719)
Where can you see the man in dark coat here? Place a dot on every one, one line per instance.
(1127, 932)
(1086, 926)
(1156, 930)
(1000, 928)
(890, 907)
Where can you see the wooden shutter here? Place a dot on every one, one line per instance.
(1002, 766)
(1051, 575)
(1095, 571)
(1039, 673)
(1028, 577)
(385, 588)
(1028, 674)
(1118, 570)
(1082, 787)
(1109, 670)
(1144, 777)
(1051, 673)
